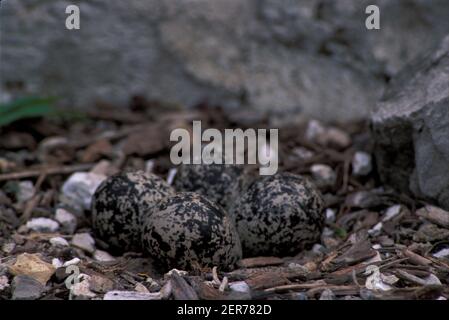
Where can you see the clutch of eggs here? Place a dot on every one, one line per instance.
(273, 215)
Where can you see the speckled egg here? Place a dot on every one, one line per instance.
(188, 231)
(214, 181)
(120, 203)
(279, 215)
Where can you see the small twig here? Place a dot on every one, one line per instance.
(45, 171)
(223, 284)
(29, 207)
(299, 286)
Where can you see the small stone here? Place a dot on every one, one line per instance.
(311, 266)
(361, 163)
(152, 285)
(61, 274)
(26, 288)
(323, 175)
(100, 284)
(8, 247)
(302, 153)
(327, 294)
(26, 191)
(84, 241)
(392, 212)
(300, 296)
(338, 138)
(81, 290)
(103, 256)
(81, 186)
(131, 295)
(239, 286)
(376, 230)
(104, 167)
(59, 242)
(67, 221)
(435, 215)
(31, 265)
(55, 262)
(141, 288)
(330, 215)
(43, 225)
(318, 248)
(74, 261)
(48, 145)
(4, 283)
(298, 267)
(444, 253)
(316, 132)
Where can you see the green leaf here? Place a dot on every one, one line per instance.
(26, 108)
(341, 233)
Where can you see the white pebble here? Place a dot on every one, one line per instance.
(84, 241)
(338, 137)
(42, 225)
(56, 263)
(316, 132)
(66, 219)
(81, 290)
(3, 282)
(330, 215)
(81, 186)
(74, 261)
(391, 212)
(375, 231)
(323, 174)
(102, 256)
(239, 286)
(361, 163)
(26, 191)
(442, 253)
(59, 242)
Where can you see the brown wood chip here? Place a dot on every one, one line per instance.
(260, 262)
(266, 280)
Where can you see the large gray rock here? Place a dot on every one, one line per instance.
(411, 127)
(313, 56)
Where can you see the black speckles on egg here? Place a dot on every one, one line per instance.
(279, 215)
(119, 203)
(217, 182)
(188, 231)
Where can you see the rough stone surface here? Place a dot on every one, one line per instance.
(59, 242)
(189, 231)
(120, 203)
(103, 256)
(26, 288)
(84, 241)
(81, 290)
(288, 55)
(80, 187)
(32, 265)
(42, 225)
(67, 220)
(279, 215)
(411, 127)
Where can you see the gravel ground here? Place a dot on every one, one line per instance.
(376, 243)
